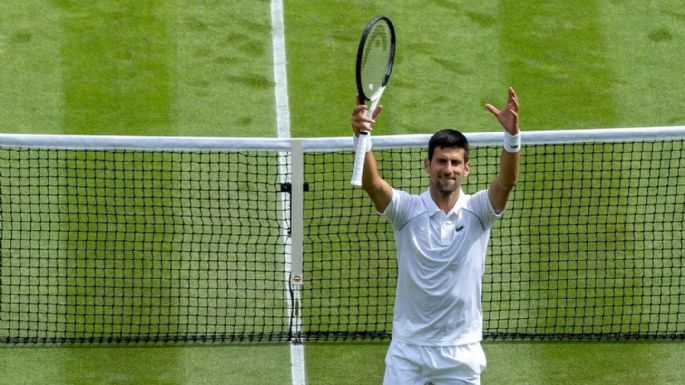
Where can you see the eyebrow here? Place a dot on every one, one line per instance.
(447, 158)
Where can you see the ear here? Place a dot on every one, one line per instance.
(467, 167)
(427, 166)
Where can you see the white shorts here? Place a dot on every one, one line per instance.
(440, 365)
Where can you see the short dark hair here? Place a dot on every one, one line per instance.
(448, 138)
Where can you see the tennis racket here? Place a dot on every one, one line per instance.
(375, 56)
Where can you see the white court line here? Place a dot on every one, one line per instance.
(297, 366)
(280, 74)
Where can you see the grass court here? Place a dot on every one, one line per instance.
(205, 68)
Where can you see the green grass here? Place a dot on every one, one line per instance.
(531, 363)
(117, 67)
(200, 365)
(126, 67)
(30, 41)
(606, 363)
(582, 64)
(204, 68)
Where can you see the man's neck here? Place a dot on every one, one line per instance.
(445, 201)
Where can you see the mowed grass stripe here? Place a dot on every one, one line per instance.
(115, 61)
(117, 80)
(555, 54)
(646, 45)
(30, 71)
(445, 66)
(176, 365)
(223, 74)
(131, 68)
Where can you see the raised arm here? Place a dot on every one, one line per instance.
(505, 181)
(376, 187)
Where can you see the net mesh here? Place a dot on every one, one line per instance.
(118, 246)
(124, 246)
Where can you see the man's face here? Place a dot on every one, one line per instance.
(447, 169)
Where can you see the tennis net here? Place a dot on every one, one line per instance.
(175, 240)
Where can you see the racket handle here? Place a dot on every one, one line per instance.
(359, 155)
(363, 142)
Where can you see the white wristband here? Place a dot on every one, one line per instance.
(512, 143)
(368, 141)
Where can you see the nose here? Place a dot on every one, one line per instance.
(449, 172)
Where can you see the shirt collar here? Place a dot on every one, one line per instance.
(433, 209)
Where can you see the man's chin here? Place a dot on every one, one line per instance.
(448, 187)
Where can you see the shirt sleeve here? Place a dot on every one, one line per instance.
(480, 205)
(396, 210)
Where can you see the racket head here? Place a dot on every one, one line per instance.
(375, 57)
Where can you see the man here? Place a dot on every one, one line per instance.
(441, 238)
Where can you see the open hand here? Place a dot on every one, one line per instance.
(508, 117)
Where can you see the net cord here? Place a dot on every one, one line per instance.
(179, 143)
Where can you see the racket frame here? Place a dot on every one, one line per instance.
(364, 136)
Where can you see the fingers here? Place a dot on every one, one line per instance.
(515, 117)
(492, 109)
(377, 111)
(513, 127)
(361, 119)
(512, 93)
(512, 104)
(508, 116)
(513, 99)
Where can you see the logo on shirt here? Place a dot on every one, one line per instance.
(459, 228)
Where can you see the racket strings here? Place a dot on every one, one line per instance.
(376, 58)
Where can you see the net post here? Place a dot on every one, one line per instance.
(297, 212)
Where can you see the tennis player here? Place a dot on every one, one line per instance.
(442, 237)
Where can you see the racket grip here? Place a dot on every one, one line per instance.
(359, 155)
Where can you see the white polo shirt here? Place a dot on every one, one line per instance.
(441, 258)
